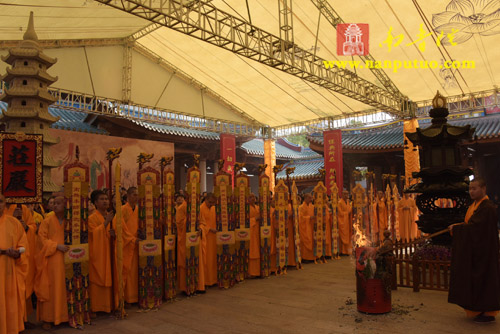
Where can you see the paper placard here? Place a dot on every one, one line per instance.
(77, 253)
(225, 238)
(150, 247)
(242, 234)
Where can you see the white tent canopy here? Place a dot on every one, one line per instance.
(174, 71)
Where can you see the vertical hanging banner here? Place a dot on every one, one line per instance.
(332, 146)
(389, 205)
(192, 225)
(296, 233)
(270, 160)
(21, 167)
(169, 232)
(319, 231)
(150, 233)
(225, 228)
(265, 222)
(228, 153)
(335, 224)
(242, 225)
(281, 218)
(411, 154)
(76, 259)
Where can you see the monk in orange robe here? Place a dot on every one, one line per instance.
(407, 212)
(306, 228)
(291, 237)
(344, 220)
(180, 222)
(254, 265)
(208, 239)
(24, 216)
(130, 212)
(382, 214)
(13, 271)
(50, 284)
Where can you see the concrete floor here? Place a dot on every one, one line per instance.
(319, 299)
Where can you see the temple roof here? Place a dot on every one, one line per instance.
(178, 131)
(391, 136)
(27, 92)
(304, 169)
(24, 53)
(283, 150)
(68, 120)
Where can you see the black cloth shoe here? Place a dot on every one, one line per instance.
(484, 318)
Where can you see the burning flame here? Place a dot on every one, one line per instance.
(360, 239)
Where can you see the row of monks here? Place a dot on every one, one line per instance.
(33, 248)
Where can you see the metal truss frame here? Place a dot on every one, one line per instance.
(206, 22)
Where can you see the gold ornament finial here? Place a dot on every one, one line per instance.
(30, 34)
(439, 101)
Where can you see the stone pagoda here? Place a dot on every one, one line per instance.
(443, 190)
(28, 98)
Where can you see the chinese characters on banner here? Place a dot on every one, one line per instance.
(332, 141)
(228, 153)
(21, 167)
(270, 160)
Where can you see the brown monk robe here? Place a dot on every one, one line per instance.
(24, 216)
(407, 210)
(306, 223)
(130, 212)
(254, 213)
(180, 222)
(475, 269)
(344, 220)
(382, 214)
(208, 239)
(13, 271)
(291, 237)
(50, 285)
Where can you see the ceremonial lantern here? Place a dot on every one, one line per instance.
(442, 174)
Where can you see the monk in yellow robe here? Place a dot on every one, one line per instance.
(24, 216)
(50, 286)
(291, 237)
(208, 239)
(344, 220)
(382, 214)
(180, 222)
(130, 212)
(407, 213)
(306, 228)
(13, 271)
(254, 265)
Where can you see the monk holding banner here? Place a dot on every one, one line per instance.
(306, 221)
(131, 221)
(180, 222)
(13, 271)
(208, 239)
(344, 213)
(50, 284)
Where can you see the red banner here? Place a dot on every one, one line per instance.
(332, 141)
(21, 167)
(228, 153)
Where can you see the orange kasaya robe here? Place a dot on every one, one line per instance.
(100, 262)
(407, 213)
(180, 221)
(254, 265)
(50, 286)
(208, 243)
(382, 217)
(344, 220)
(131, 259)
(291, 238)
(31, 249)
(13, 274)
(272, 255)
(306, 215)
